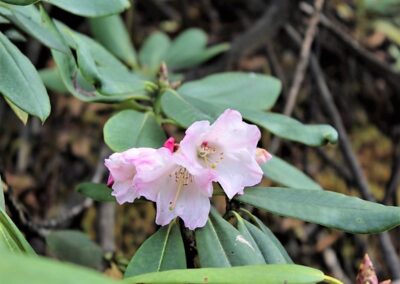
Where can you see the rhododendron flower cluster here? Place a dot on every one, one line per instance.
(179, 178)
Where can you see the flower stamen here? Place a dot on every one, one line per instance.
(182, 178)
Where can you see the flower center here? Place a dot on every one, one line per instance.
(182, 178)
(210, 154)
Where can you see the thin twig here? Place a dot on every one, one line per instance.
(301, 67)
(368, 58)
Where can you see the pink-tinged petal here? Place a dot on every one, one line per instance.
(190, 144)
(196, 207)
(191, 202)
(230, 132)
(124, 192)
(262, 156)
(237, 171)
(119, 168)
(170, 144)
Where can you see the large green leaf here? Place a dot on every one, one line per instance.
(264, 246)
(272, 243)
(162, 251)
(326, 208)
(186, 110)
(219, 244)
(237, 90)
(75, 247)
(28, 19)
(92, 8)
(97, 191)
(111, 32)
(11, 239)
(39, 270)
(189, 49)
(255, 274)
(20, 2)
(285, 174)
(129, 128)
(153, 51)
(21, 84)
(291, 129)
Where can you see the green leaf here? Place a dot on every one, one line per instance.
(92, 8)
(22, 115)
(2, 202)
(291, 129)
(219, 244)
(255, 274)
(273, 243)
(186, 110)
(129, 128)
(75, 247)
(96, 191)
(52, 80)
(265, 246)
(39, 270)
(327, 208)
(285, 174)
(28, 19)
(237, 90)
(111, 32)
(189, 49)
(20, 2)
(11, 239)
(243, 229)
(21, 84)
(154, 50)
(162, 251)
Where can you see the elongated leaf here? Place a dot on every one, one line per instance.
(219, 244)
(326, 208)
(242, 228)
(21, 83)
(92, 8)
(129, 128)
(97, 191)
(52, 80)
(162, 251)
(237, 90)
(291, 129)
(255, 274)
(276, 244)
(265, 246)
(22, 115)
(39, 270)
(186, 110)
(20, 2)
(285, 174)
(28, 19)
(2, 202)
(11, 239)
(111, 32)
(154, 50)
(75, 247)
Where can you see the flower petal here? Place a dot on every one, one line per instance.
(124, 191)
(238, 170)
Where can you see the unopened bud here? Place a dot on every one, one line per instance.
(262, 156)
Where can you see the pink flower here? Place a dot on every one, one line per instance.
(177, 190)
(227, 147)
(123, 170)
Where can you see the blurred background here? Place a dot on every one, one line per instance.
(339, 63)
